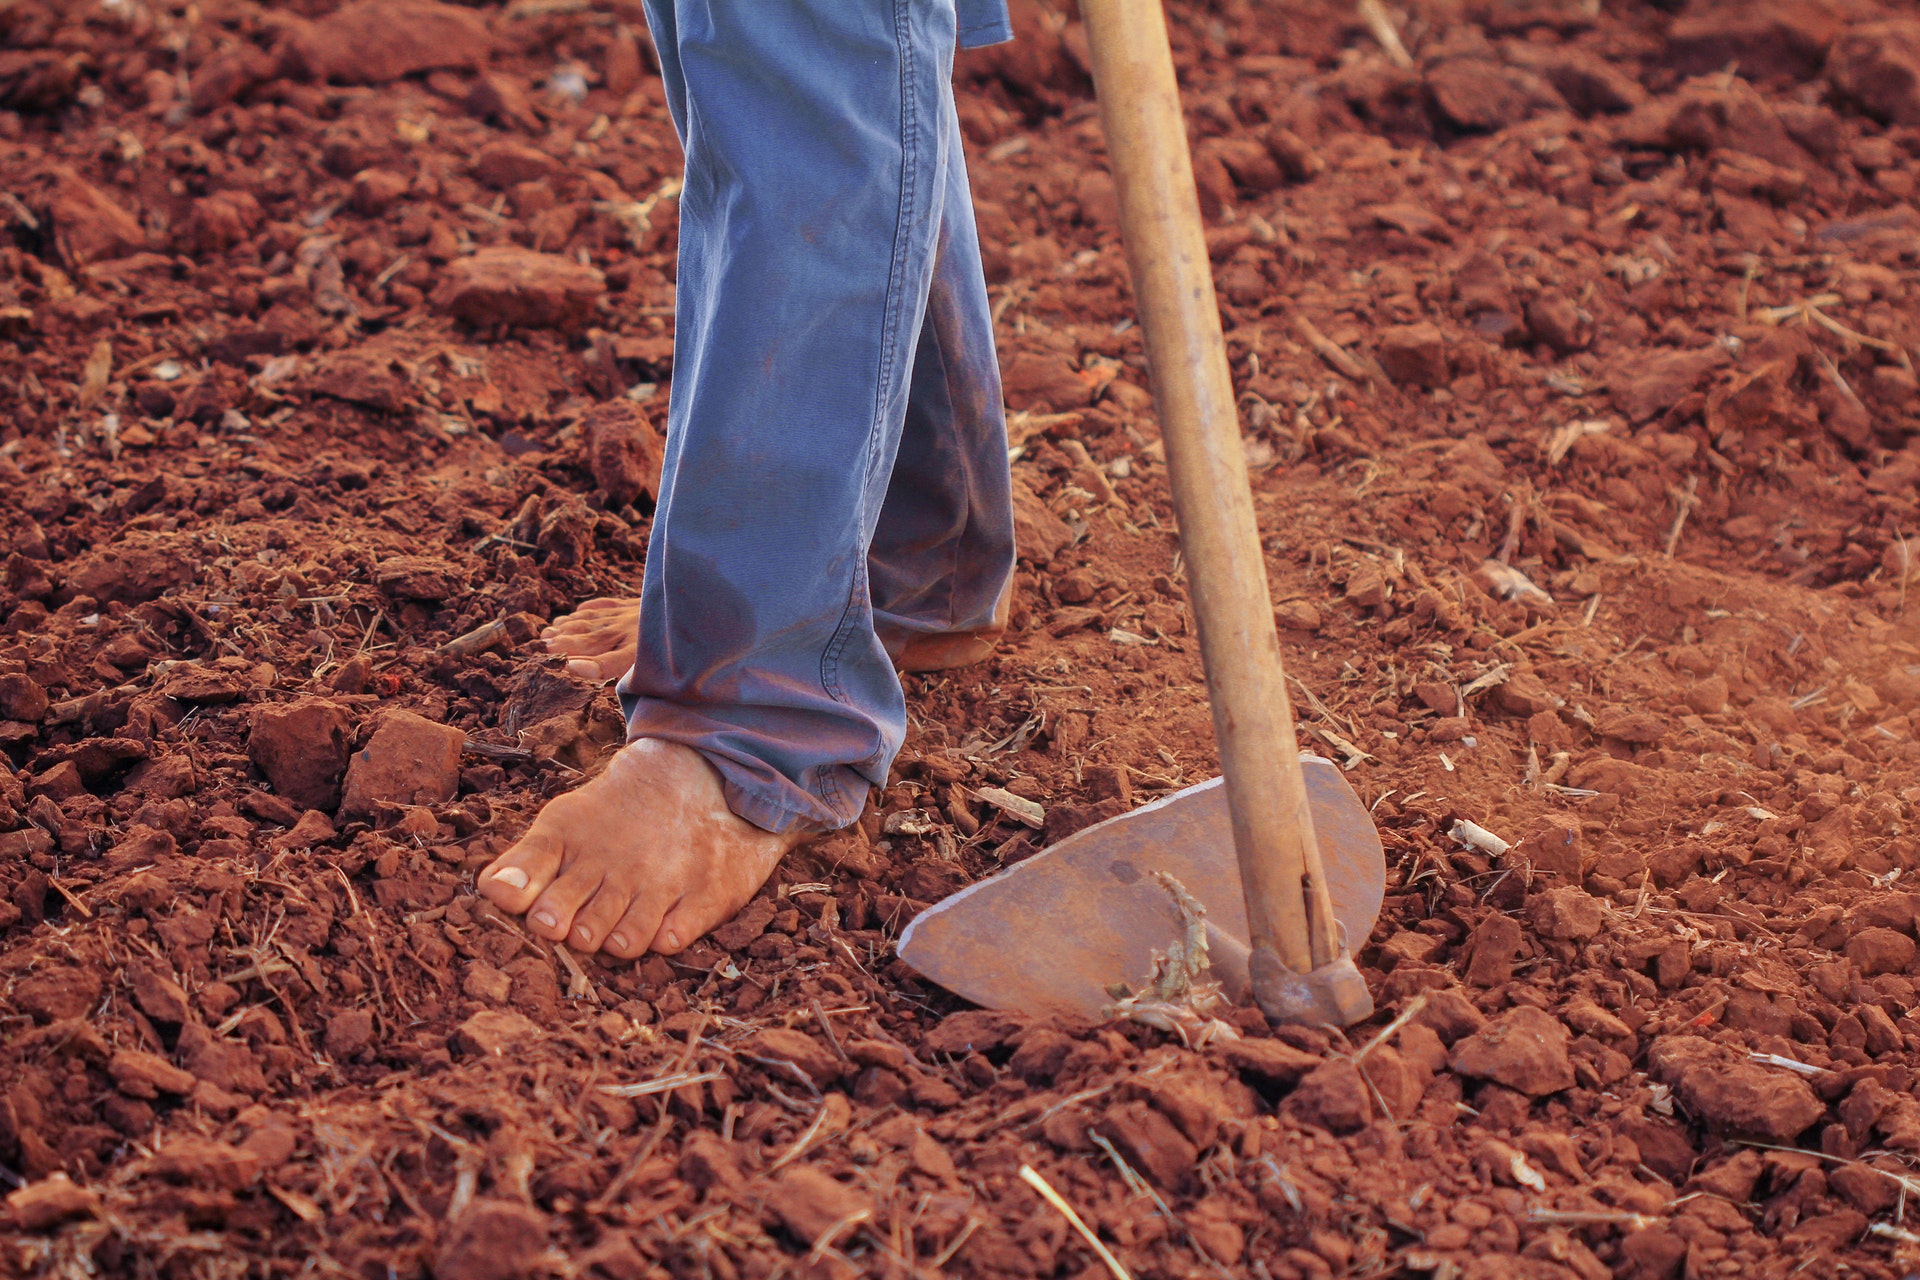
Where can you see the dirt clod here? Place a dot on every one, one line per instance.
(1731, 1094)
(491, 1240)
(1334, 1096)
(519, 287)
(495, 1032)
(814, 1206)
(408, 761)
(302, 748)
(49, 1202)
(1523, 1049)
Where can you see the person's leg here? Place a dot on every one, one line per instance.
(816, 153)
(942, 555)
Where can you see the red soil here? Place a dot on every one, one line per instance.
(319, 326)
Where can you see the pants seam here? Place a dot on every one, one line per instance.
(889, 357)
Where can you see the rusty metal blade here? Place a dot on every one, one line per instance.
(1051, 934)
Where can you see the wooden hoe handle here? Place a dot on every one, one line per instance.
(1287, 901)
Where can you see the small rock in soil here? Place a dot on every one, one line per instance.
(1877, 951)
(1555, 320)
(22, 698)
(1732, 1179)
(1588, 1018)
(1664, 1147)
(49, 1202)
(1552, 845)
(1297, 615)
(54, 994)
(1567, 912)
(1731, 1094)
(1034, 379)
(376, 41)
(158, 996)
(811, 1205)
(1709, 696)
(1654, 385)
(1867, 1189)
(408, 761)
(493, 1033)
(1878, 66)
(484, 982)
(228, 1065)
(506, 164)
(492, 1240)
(623, 451)
(1038, 534)
(145, 1075)
(425, 578)
(1652, 1254)
(1451, 1015)
(707, 1161)
(752, 920)
(1272, 1064)
(1415, 355)
(1480, 94)
(349, 1033)
(90, 227)
(1042, 1050)
(210, 683)
(301, 748)
(207, 1162)
(312, 829)
(1334, 1096)
(1524, 1049)
(1766, 39)
(1495, 945)
(1151, 1143)
(144, 847)
(973, 1031)
(796, 1048)
(512, 286)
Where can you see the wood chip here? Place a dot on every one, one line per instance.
(1016, 807)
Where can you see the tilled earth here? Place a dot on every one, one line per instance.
(1575, 354)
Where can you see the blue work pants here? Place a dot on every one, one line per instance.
(835, 476)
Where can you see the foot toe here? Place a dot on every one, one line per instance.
(593, 644)
(689, 920)
(552, 913)
(594, 923)
(630, 934)
(590, 669)
(521, 874)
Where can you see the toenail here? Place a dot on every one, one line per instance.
(545, 919)
(511, 875)
(618, 941)
(673, 939)
(583, 933)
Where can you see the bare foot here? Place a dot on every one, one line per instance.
(599, 639)
(645, 856)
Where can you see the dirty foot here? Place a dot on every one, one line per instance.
(598, 639)
(645, 856)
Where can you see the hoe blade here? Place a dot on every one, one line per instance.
(1051, 934)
